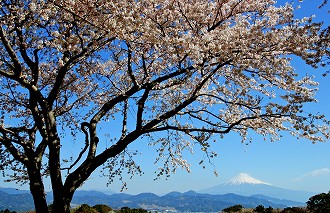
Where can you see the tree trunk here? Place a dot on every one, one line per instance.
(58, 205)
(67, 203)
(56, 180)
(38, 192)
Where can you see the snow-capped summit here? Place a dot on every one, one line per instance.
(244, 184)
(244, 178)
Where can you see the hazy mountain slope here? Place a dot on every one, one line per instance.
(16, 202)
(288, 203)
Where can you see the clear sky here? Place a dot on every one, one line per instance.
(288, 163)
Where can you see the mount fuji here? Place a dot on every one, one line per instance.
(244, 178)
(245, 185)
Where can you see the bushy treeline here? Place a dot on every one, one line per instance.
(85, 208)
(319, 203)
(258, 209)
(262, 209)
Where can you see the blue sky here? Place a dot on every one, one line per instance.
(289, 163)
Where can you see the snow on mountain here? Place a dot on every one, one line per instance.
(244, 178)
(245, 185)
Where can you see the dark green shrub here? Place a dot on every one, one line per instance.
(319, 203)
(84, 208)
(269, 209)
(294, 210)
(235, 208)
(260, 209)
(7, 211)
(128, 210)
(102, 208)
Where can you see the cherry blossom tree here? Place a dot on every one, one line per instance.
(180, 73)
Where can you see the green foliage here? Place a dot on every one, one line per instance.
(7, 211)
(84, 208)
(294, 210)
(102, 208)
(269, 209)
(235, 208)
(128, 210)
(262, 209)
(319, 203)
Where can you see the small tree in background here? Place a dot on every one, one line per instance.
(100, 208)
(294, 210)
(319, 203)
(262, 209)
(259, 208)
(85, 208)
(235, 208)
(129, 210)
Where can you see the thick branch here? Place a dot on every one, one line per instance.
(22, 47)
(11, 52)
(139, 114)
(33, 106)
(12, 136)
(14, 151)
(129, 66)
(40, 150)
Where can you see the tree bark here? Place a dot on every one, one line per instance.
(38, 191)
(56, 178)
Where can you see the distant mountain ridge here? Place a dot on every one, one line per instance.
(14, 191)
(190, 201)
(15, 200)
